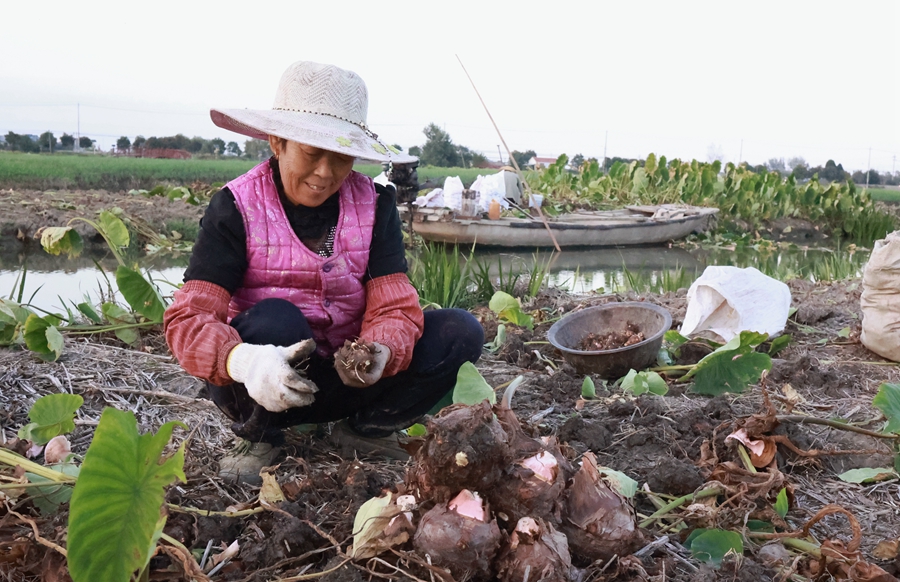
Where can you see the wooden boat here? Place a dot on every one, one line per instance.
(632, 225)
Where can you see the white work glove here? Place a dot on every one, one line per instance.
(361, 369)
(267, 374)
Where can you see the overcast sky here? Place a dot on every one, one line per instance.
(750, 80)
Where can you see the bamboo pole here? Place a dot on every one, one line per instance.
(509, 153)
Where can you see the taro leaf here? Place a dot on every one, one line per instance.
(114, 514)
(868, 475)
(118, 316)
(48, 498)
(62, 239)
(12, 312)
(509, 309)
(642, 382)
(417, 430)
(42, 338)
(713, 545)
(732, 367)
(368, 524)
(781, 503)
(499, 339)
(888, 402)
(51, 415)
(779, 344)
(622, 483)
(588, 390)
(88, 311)
(470, 386)
(114, 229)
(140, 294)
(674, 339)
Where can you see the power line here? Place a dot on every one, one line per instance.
(103, 107)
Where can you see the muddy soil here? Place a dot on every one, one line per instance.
(24, 212)
(664, 443)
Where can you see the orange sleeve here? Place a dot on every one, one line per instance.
(196, 331)
(393, 318)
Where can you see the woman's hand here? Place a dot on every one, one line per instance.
(361, 364)
(267, 374)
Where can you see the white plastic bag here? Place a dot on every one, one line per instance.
(453, 188)
(880, 300)
(491, 187)
(729, 300)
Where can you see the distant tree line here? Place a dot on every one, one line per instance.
(46, 142)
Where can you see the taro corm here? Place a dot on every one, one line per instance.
(461, 536)
(535, 551)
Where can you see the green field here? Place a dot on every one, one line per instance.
(885, 194)
(89, 171)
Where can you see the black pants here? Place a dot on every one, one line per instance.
(451, 337)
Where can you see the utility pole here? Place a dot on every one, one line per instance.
(499, 153)
(78, 131)
(605, 141)
(741, 152)
(868, 167)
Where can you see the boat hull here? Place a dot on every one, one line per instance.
(617, 228)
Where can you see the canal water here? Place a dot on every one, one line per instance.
(52, 283)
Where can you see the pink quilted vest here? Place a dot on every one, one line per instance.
(328, 290)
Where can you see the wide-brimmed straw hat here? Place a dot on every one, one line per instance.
(318, 105)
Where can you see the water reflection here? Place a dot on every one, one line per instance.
(53, 282)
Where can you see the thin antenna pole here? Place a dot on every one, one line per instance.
(605, 141)
(868, 168)
(511, 158)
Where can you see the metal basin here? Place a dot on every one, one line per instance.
(652, 320)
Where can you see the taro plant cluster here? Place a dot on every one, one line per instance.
(742, 195)
(42, 332)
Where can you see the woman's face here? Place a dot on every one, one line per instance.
(310, 175)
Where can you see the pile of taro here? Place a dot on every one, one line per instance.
(486, 500)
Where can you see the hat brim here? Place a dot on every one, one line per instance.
(321, 131)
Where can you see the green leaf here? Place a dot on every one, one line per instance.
(417, 430)
(781, 503)
(118, 316)
(62, 239)
(114, 514)
(51, 415)
(89, 312)
(674, 339)
(140, 294)
(868, 475)
(49, 498)
(113, 228)
(844, 332)
(588, 390)
(712, 545)
(470, 386)
(779, 344)
(509, 309)
(499, 339)
(42, 338)
(888, 402)
(732, 367)
(619, 481)
(642, 382)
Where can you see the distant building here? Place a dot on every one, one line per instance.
(536, 162)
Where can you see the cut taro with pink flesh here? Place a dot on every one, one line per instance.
(532, 486)
(598, 521)
(535, 552)
(466, 448)
(460, 536)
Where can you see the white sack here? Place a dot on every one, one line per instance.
(491, 187)
(453, 188)
(880, 301)
(434, 199)
(729, 300)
